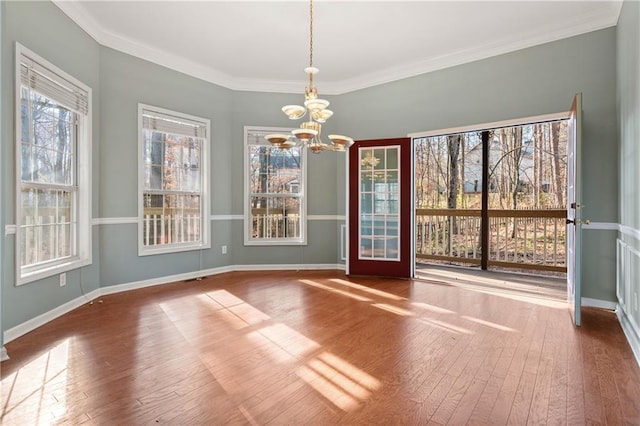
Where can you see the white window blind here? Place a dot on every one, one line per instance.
(53, 85)
(154, 120)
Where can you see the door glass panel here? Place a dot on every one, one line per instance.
(379, 203)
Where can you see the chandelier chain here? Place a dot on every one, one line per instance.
(311, 33)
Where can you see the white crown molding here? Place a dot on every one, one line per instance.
(76, 12)
(586, 23)
(583, 24)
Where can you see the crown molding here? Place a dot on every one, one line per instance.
(583, 24)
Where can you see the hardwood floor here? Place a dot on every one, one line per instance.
(316, 347)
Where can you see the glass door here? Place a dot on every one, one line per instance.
(380, 207)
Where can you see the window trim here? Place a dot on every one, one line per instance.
(205, 208)
(301, 194)
(83, 164)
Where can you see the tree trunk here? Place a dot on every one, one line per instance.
(453, 147)
(555, 145)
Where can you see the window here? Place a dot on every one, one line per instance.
(174, 177)
(53, 160)
(379, 173)
(275, 181)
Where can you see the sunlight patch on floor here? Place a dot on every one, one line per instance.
(488, 323)
(393, 309)
(324, 387)
(499, 289)
(269, 348)
(431, 308)
(368, 289)
(445, 326)
(335, 290)
(350, 370)
(41, 382)
(288, 339)
(224, 298)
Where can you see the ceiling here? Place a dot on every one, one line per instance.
(264, 45)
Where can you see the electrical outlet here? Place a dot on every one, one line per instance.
(63, 279)
(224, 249)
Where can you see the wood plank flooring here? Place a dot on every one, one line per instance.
(316, 347)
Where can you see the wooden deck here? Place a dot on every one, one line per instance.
(316, 347)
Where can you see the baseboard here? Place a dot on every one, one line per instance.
(119, 288)
(597, 303)
(630, 332)
(3, 354)
(40, 320)
(292, 267)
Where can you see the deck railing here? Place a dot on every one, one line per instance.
(160, 229)
(524, 239)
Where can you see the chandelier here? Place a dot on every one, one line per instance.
(309, 133)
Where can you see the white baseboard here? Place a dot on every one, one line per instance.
(629, 331)
(322, 266)
(597, 303)
(33, 323)
(40, 320)
(118, 288)
(3, 354)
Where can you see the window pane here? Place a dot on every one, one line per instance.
(64, 240)
(171, 219)
(24, 114)
(274, 170)
(27, 164)
(47, 225)
(379, 159)
(48, 151)
(171, 162)
(275, 217)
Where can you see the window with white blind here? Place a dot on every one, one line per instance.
(53, 165)
(173, 181)
(275, 185)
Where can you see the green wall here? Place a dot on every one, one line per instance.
(534, 81)
(529, 82)
(43, 28)
(628, 92)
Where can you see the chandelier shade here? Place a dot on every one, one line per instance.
(309, 133)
